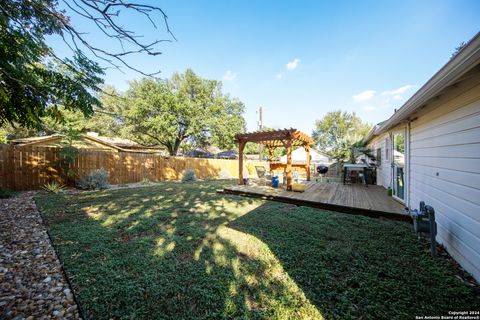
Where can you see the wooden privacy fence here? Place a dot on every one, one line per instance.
(29, 168)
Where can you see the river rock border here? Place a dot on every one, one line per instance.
(32, 282)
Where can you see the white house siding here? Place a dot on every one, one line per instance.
(300, 155)
(384, 169)
(445, 170)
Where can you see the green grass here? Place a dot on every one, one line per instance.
(181, 251)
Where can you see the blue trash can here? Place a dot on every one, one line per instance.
(275, 181)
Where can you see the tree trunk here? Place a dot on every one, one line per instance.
(171, 151)
(173, 147)
(176, 145)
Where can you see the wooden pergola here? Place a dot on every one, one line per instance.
(287, 138)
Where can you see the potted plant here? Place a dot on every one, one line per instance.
(389, 191)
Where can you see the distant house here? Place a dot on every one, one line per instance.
(209, 152)
(252, 156)
(90, 141)
(429, 150)
(199, 153)
(229, 154)
(299, 155)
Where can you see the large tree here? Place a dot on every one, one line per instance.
(35, 80)
(337, 131)
(182, 109)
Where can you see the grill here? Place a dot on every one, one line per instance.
(322, 169)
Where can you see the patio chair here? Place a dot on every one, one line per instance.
(263, 175)
(351, 177)
(354, 176)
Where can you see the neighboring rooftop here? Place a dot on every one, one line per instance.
(119, 142)
(91, 140)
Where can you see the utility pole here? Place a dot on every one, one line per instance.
(260, 127)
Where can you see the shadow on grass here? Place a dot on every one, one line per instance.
(354, 267)
(181, 251)
(167, 252)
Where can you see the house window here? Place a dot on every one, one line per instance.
(379, 156)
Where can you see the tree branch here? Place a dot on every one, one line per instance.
(101, 13)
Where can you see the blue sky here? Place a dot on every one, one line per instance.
(301, 59)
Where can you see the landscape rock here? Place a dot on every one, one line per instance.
(32, 284)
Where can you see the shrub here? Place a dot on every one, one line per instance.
(53, 187)
(3, 136)
(189, 175)
(224, 174)
(145, 181)
(5, 194)
(96, 179)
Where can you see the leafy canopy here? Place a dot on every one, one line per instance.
(338, 132)
(182, 109)
(3, 136)
(106, 121)
(33, 80)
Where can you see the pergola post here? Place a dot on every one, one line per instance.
(307, 149)
(241, 146)
(289, 165)
(270, 153)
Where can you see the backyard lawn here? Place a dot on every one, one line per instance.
(182, 251)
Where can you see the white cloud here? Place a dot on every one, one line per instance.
(397, 92)
(292, 65)
(279, 76)
(229, 76)
(364, 95)
(369, 108)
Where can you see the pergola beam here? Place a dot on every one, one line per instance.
(286, 134)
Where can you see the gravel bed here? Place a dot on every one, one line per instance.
(32, 284)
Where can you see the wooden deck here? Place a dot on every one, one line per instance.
(355, 198)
